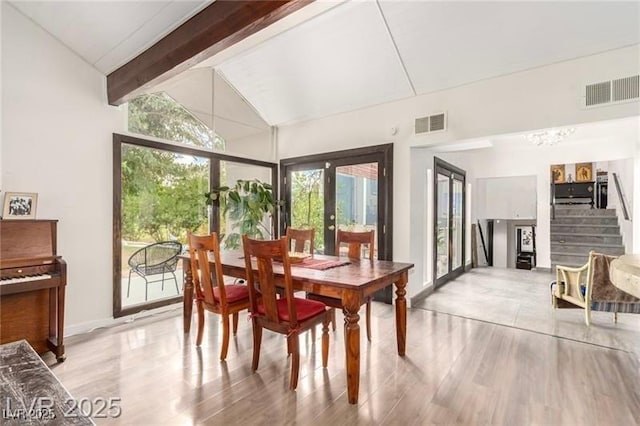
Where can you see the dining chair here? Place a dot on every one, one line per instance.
(288, 315)
(212, 294)
(299, 237)
(355, 242)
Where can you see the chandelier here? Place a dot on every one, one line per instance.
(549, 137)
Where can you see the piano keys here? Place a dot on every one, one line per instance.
(23, 279)
(32, 285)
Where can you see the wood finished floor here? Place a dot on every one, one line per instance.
(457, 370)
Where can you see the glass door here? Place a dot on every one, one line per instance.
(348, 190)
(442, 225)
(457, 220)
(449, 203)
(356, 199)
(161, 201)
(306, 202)
(333, 195)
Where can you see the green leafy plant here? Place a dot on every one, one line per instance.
(247, 203)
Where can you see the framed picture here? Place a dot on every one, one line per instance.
(557, 173)
(526, 239)
(584, 172)
(20, 205)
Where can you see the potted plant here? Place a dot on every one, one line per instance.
(247, 203)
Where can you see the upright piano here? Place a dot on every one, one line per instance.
(32, 285)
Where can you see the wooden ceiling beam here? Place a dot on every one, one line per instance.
(215, 28)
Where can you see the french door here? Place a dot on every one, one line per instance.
(449, 221)
(348, 190)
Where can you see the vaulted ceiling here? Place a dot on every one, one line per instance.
(355, 54)
(107, 34)
(364, 53)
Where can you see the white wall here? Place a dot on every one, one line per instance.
(624, 169)
(539, 98)
(500, 243)
(56, 141)
(257, 147)
(636, 199)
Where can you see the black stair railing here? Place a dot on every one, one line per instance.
(623, 204)
(553, 196)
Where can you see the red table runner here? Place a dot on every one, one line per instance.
(320, 264)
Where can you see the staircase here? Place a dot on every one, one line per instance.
(576, 230)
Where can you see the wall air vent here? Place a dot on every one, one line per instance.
(436, 122)
(613, 91)
(422, 125)
(431, 123)
(625, 89)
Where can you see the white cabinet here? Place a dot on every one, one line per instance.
(506, 198)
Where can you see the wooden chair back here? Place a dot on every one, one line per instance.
(355, 242)
(299, 237)
(262, 285)
(201, 247)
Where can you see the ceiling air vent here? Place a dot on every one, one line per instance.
(431, 123)
(613, 91)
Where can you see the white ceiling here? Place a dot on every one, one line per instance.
(231, 117)
(584, 136)
(340, 60)
(108, 34)
(331, 57)
(346, 58)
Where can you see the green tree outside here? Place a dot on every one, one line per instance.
(161, 190)
(307, 203)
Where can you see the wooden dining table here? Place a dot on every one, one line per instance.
(352, 283)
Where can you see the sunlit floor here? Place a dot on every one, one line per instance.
(156, 290)
(520, 298)
(456, 370)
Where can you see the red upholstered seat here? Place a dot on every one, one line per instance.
(305, 309)
(235, 293)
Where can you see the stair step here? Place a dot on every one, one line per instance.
(578, 229)
(568, 259)
(586, 244)
(585, 229)
(574, 249)
(561, 237)
(585, 220)
(574, 211)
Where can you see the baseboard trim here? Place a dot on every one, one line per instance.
(89, 326)
(422, 294)
(543, 269)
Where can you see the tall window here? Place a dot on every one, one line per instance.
(160, 116)
(159, 193)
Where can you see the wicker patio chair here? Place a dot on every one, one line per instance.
(155, 259)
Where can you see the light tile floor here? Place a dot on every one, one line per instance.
(521, 299)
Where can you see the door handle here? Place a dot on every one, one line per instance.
(331, 227)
